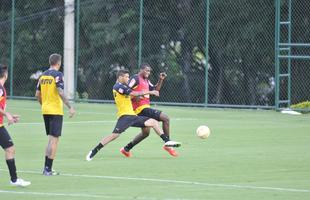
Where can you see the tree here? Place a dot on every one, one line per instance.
(241, 46)
(108, 41)
(241, 43)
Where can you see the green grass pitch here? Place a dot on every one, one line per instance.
(251, 154)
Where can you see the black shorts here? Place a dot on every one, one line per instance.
(53, 124)
(151, 113)
(126, 121)
(5, 138)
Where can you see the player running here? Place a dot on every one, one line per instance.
(141, 105)
(126, 115)
(5, 139)
(51, 96)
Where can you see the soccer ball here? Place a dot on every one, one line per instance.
(203, 131)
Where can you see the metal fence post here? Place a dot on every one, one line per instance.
(207, 52)
(140, 33)
(12, 48)
(289, 64)
(277, 62)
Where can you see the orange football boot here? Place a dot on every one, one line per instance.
(171, 151)
(125, 153)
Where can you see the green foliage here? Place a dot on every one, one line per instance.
(301, 105)
(241, 46)
(108, 38)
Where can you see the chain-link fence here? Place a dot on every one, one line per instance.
(108, 41)
(300, 69)
(242, 52)
(5, 32)
(170, 35)
(38, 33)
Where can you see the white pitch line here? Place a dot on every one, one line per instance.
(76, 122)
(84, 112)
(109, 114)
(81, 195)
(89, 122)
(56, 194)
(95, 121)
(230, 186)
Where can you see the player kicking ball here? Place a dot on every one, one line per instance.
(127, 117)
(5, 140)
(141, 106)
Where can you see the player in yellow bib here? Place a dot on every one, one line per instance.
(127, 117)
(51, 96)
(141, 106)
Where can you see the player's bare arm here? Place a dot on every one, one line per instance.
(11, 118)
(141, 93)
(162, 76)
(38, 96)
(66, 102)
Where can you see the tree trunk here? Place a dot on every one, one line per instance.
(219, 90)
(249, 85)
(186, 65)
(186, 15)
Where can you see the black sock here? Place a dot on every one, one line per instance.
(168, 136)
(96, 149)
(45, 163)
(49, 164)
(12, 169)
(128, 146)
(164, 137)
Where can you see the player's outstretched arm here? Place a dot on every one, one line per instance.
(141, 93)
(162, 76)
(66, 102)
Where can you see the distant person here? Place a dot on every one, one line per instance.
(50, 94)
(126, 115)
(5, 139)
(141, 105)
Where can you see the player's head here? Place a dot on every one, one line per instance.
(122, 76)
(3, 72)
(145, 70)
(55, 60)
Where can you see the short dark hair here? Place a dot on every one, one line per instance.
(3, 70)
(121, 72)
(145, 65)
(54, 59)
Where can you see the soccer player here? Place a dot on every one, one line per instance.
(5, 140)
(50, 94)
(141, 106)
(126, 115)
